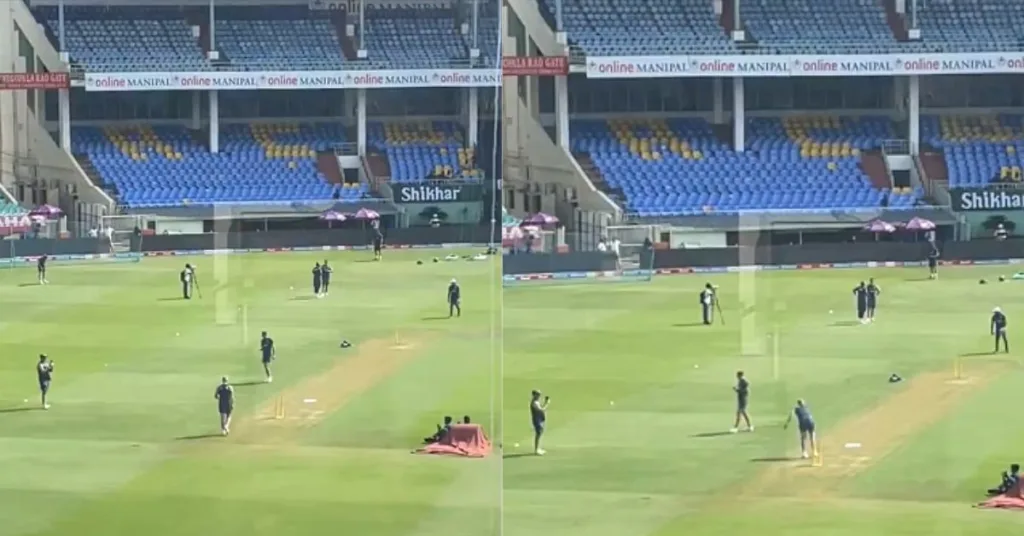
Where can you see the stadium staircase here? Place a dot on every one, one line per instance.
(897, 23)
(933, 162)
(327, 163)
(872, 163)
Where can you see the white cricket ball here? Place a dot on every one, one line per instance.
(611, 403)
(291, 288)
(696, 366)
(516, 445)
(830, 311)
(26, 401)
(177, 334)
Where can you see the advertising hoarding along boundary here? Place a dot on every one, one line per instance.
(729, 66)
(284, 80)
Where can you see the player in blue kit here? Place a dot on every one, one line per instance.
(267, 353)
(806, 423)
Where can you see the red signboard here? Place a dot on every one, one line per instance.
(9, 81)
(15, 224)
(535, 66)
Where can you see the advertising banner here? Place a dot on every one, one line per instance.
(220, 80)
(15, 224)
(534, 66)
(986, 199)
(14, 81)
(804, 65)
(437, 193)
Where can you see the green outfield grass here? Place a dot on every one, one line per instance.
(637, 435)
(124, 449)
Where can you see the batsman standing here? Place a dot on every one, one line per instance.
(707, 304)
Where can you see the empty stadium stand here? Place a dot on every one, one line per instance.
(812, 27)
(978, 150)
(972, 25)
(643, 27)
(681, 167)
(120, 39)
(166, 166)
(127, 39)
(418, 151)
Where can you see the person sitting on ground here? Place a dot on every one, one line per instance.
(1010, 479)
(442, 431)
(465, 419)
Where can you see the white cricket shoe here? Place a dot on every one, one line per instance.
(733, 430)
(804, 455)
(540, 452)
(270, 379)
(751, 429)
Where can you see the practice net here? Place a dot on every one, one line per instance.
(629, 249)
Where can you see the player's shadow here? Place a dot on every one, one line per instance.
(918, 279)
(712, 434)
(845, 323)
(513, 455)
(776, 459)
(365, 260)
(248, 383)
(975, 354)
(303, 298)
(28, 284)
(179, 298)
(196, 437)
(16, 410)
(434, 318)
(688, 325)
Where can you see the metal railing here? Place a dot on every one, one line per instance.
(896, 147)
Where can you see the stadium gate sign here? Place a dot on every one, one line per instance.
(804, 65)
(219, 80)
(985, 199)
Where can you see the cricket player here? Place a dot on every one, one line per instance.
(860, 293)
(378, 243)
(225, 395)
(806, 423)
(538, 416)
(317, 280)
(41, 269)
(44, 373)
(188, 280)
(933, 263)
(872, 299)
(707, 304)
(268, 354)
(742, 390)
(998, 328)
(454, 299)
(325, 277)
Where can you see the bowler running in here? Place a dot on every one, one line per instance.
(317, 280)
(742, 389)
(806, 423)
(267, 354)
(225, 395)
(538, 417)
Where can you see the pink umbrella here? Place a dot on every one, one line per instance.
(920, 224)
(540, 218)
(366, 214)
(333, 215)
(879, 226)
(49, 212)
